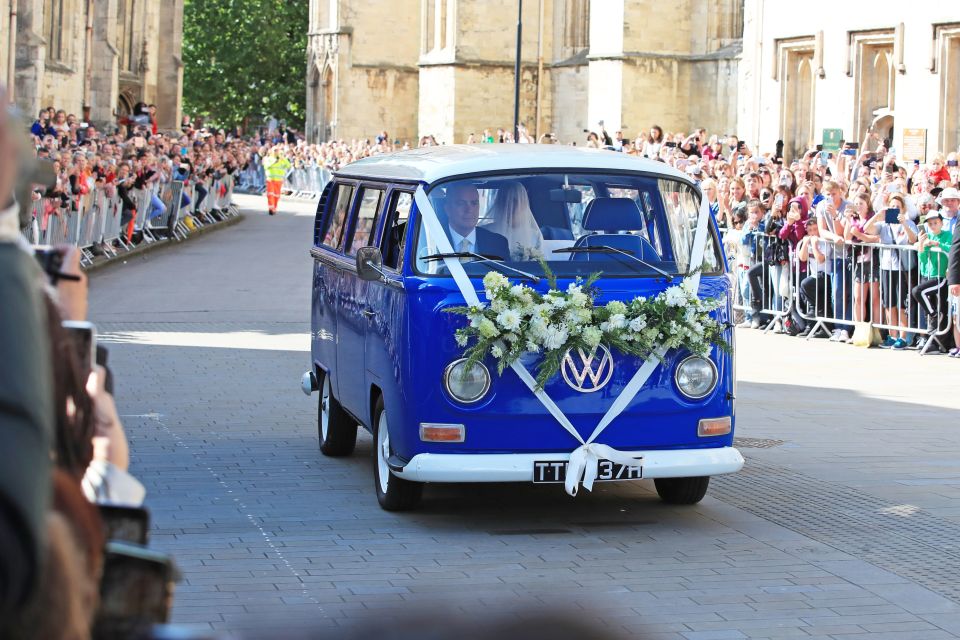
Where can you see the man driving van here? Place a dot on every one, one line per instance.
(462, 206)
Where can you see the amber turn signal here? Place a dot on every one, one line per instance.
(442, 432)
(714, 427)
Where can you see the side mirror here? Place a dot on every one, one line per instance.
(370, 263)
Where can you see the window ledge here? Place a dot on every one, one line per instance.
(58, 67)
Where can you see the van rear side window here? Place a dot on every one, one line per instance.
(338, 218)
(370, 200)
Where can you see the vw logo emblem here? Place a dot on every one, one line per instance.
(587, 372)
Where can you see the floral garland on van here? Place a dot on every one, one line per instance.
(520, 320)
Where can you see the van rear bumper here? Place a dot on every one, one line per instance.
(518, 467)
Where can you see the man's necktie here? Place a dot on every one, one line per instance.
(464, 246)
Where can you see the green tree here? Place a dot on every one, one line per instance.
(245, 60)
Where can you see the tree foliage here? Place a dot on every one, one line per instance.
(245, 59)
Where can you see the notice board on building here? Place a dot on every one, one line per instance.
(914, 145)
(831, 139)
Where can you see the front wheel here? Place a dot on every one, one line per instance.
(336, 430)
(393, 493)
(682, 490)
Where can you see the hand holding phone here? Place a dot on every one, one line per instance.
(892, 216)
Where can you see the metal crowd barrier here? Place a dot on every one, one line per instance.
(93, 222)
(307, 181)
(838, 286)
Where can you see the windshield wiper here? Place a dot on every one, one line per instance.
(602, 248)
(494, 260)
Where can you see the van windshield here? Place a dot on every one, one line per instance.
(618, 224)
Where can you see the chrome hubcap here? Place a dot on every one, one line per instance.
(383, 452)
(325, 408)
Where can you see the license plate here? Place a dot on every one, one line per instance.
(556, 471)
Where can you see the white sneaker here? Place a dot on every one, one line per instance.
(844, 336)
(835, 336)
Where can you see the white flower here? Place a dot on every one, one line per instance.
(494, 281)
(461, 339)
(555, 337)
(675, 297)
(592, 336)
(532, 347)
(475, 319)
(487, 329)
(509, 320)
(517, 290)
(616, 307)
(617, 321)
(689, 287)
(637, 324)
(496, 351)
(558, 302)
(498, 305)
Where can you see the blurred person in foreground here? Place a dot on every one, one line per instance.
(26, 408)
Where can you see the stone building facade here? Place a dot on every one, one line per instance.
(95, 57)
(446, 67)
(893, 69)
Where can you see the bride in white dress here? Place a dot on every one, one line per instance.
(513, 219)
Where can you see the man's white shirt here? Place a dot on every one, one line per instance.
(457, 240)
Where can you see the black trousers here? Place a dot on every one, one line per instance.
(759, 277)
(816, 293)
(931, 296)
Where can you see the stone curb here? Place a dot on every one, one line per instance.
(144, 248)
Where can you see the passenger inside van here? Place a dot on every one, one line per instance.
(512, 218)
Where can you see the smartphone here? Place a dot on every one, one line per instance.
(670, 144)
(823, 158)
(778, 201)
(50, 259)
(853, 145)
(84, 337)
(127, 524)
(892, 216)
(951, 163)
(136, 591)
(916, 162)
(819, 147)
(849, 152)
(893, 187)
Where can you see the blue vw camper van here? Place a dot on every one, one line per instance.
(401, 239)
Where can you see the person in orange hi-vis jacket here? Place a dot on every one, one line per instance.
(276, 167)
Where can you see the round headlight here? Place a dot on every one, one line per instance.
(466, 383)
(696, 377)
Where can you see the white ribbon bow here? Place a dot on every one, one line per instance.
(584, 460)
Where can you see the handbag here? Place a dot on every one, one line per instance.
(866, 335)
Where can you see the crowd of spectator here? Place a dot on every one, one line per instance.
(865, 265)
(134, 156)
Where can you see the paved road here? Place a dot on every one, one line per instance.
(844, 523)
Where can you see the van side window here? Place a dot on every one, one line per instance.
(338, 217)
(370, 201)
(395, 233)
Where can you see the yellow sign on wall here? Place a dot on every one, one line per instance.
(914, 145)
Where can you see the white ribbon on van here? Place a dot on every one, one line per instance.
(584, 460)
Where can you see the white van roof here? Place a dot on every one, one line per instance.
(431, 164)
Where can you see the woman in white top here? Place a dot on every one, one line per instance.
(513, 219)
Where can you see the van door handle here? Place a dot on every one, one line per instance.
(369, 313)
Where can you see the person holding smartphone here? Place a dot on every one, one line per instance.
(894, 227)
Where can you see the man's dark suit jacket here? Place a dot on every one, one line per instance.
(489, 244)
(953, 265)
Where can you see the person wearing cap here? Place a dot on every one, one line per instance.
(933, 248)
(949, 201)
(695, 172)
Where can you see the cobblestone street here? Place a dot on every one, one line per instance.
(845, 522)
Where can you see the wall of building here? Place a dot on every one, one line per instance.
(921, 97)
(627, 62)
(44, 78)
